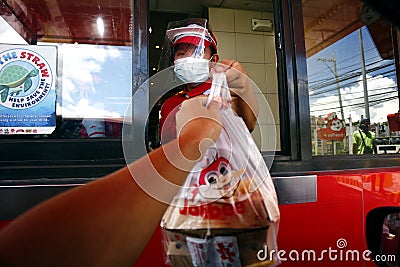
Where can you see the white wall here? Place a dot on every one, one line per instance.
(256, 52)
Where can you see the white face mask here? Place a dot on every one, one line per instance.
(192, 70)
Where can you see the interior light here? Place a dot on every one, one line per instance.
(157, 47)
(100, 26)
(154, 68)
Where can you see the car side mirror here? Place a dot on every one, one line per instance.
(383, 235)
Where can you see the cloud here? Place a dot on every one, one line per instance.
(82, 109)
(82, 69)
(353, 99)
(8, 35)
(82, 66)
(81, 61)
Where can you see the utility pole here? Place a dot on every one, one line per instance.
(364, 76)
(334, 71)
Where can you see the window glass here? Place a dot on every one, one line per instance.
(94, 87)
(95, 83)
(351, 77)
(8, 35)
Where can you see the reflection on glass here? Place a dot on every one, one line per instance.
(390, 239)
(94, 82)
(95, 88)
(351, 76)
(8, 35)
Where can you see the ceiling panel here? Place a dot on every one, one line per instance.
(325, 22)
(71, 21)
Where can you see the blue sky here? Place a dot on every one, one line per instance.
(95, 80)
(381, 83)
(90, 85)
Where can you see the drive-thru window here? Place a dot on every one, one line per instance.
(318, 69)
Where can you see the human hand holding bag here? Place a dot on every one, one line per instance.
(227, 210)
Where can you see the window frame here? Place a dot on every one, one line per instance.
(58, 161)
(296, 157)
(292, 80)
(40, 168)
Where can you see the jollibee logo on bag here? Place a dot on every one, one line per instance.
(218, 180)
(25, 78)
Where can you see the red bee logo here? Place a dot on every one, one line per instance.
(216, 180)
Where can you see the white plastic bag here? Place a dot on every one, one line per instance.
(227, 210)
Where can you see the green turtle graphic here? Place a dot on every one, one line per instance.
(14, 76)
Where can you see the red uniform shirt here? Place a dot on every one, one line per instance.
(171, 107)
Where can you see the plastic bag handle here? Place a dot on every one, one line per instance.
(219, 90)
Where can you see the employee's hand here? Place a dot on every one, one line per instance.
(244, 102)
(236, 76)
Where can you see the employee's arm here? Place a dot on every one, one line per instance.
(244, 102)
(108, 222)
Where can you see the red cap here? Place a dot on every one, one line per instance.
(192, 34)
(192, 40)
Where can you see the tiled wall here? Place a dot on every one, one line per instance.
(256, 52)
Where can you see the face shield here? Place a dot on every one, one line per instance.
(186, 38)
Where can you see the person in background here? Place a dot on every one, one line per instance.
(100, 125)
(108, 222)
(95, 128)
(364, 139)
(191, 47)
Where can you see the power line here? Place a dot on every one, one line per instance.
(315, 92)
(351, 93)
(360, 104)
(376, 59)
(355, 98)
(352, 73)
